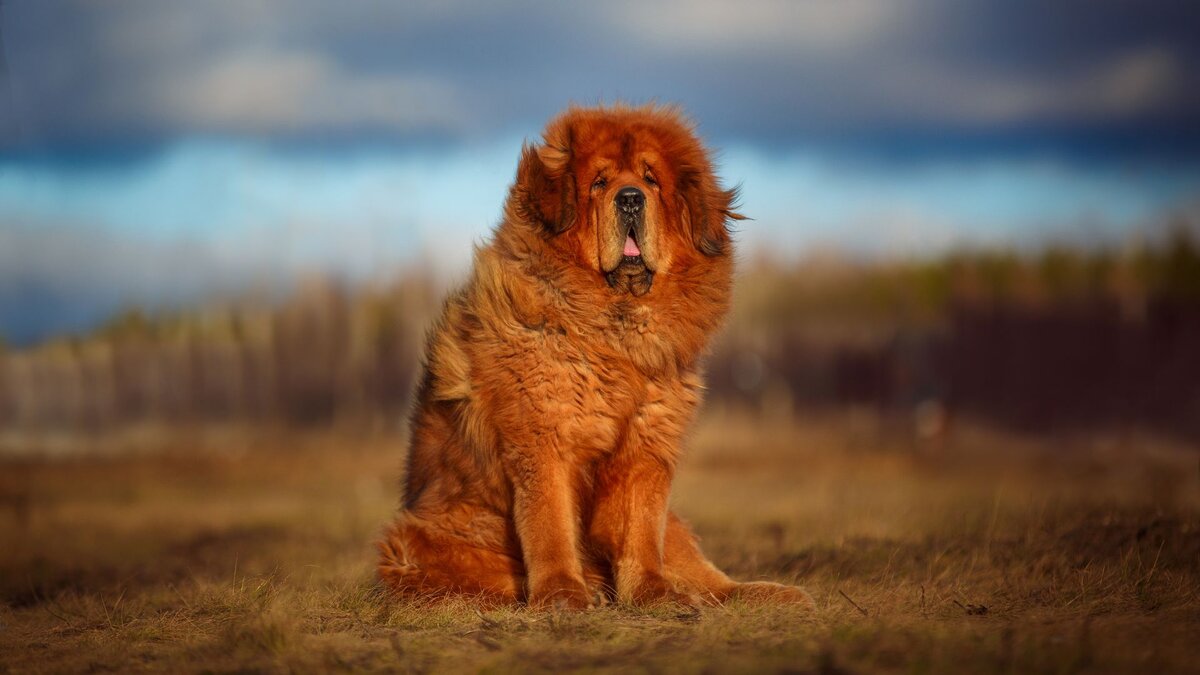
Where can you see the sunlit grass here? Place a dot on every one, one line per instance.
(977, 551)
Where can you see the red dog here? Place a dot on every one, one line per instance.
(560, 381)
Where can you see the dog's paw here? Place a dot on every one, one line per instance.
(767, 592)
(561, 592)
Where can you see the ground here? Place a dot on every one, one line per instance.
(972, 551)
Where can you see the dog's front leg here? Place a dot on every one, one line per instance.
(628, 525)
(545, 520)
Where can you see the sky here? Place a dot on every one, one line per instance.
(157, 153)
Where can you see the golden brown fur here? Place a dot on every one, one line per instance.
(561, 379)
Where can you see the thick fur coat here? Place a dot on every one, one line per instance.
(560, 381)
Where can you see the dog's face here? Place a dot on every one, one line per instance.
(629, 193)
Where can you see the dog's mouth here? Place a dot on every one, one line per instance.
(632, 253)
(631, 274)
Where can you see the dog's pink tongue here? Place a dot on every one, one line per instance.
(631, 247)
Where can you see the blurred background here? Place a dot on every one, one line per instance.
(958, 397)
(247, 211)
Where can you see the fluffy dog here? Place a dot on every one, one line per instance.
(559, 382)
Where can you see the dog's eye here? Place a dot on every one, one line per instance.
(649, 178)
(599, 183)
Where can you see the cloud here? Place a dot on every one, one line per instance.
(263, 91)
(784, 25)
(1123, 87)
(777, 73)
(1140, 82)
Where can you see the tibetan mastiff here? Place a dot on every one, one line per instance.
(560, 381)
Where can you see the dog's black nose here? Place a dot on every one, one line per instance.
(630, 200)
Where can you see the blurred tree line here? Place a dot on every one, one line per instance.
(1057, 338)
(323, 354)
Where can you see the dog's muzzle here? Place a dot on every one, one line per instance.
(631, 273)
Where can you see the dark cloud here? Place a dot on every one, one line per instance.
(1096, 76)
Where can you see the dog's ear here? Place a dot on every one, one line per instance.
(707, 211)
(544, 192)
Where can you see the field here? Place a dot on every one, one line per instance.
(227, 550)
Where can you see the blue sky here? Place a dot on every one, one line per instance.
(364, 211)
(155, 153)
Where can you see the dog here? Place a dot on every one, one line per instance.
(560, 381)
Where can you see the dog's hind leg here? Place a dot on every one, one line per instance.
(685, 565)
(419, 560)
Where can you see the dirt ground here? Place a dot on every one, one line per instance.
(977, 551)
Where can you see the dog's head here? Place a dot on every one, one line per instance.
(627, 192)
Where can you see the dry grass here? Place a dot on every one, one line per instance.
(981, 552)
